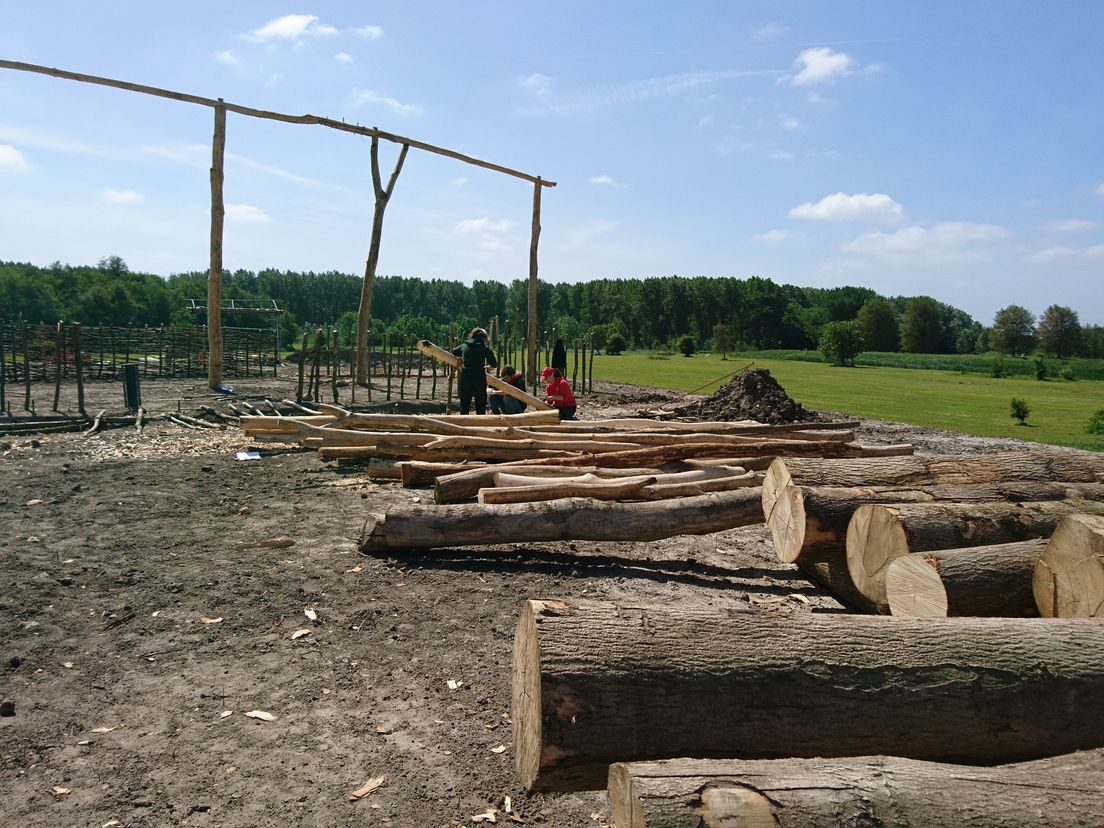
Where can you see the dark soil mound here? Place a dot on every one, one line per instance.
(750, 395)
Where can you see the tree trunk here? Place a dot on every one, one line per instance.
(976, 581)
(1069, 579)
(214, 273)
(1080, 467)
(597, 682)
(646, 487)
(432, 527)
(457, 486)
(867, 790)
(879, 534)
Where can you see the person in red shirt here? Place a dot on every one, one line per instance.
(558, 393)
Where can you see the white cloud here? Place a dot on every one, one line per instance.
(12, 160)
(583, 236)
(273, 81)
(367, 97)
(789, 122)
(1072, 226)
(291, 27)
(1100, 190)
(483, 225)
(246, 213)
(44, 140)
(949, 241)
(822, 65)
(344, 57)
(844, 207)
(459, 181)
(540, 85)
(705, 121)
(110, 196)
(370, 32)
(816, 99)
(1054, 254)
(782, 155)
(605, 180)
(772, 236)
(769, 31)
(229, 58)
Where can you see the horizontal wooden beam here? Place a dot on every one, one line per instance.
(342, 126)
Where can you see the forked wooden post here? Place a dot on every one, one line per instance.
(214, 276)
(531, 367)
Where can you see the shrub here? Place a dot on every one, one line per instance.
(1020, 410)
(1066, 373)
(998, 369)
(686, 345)
(841, 342)
(1040, 369)
(1096, 422)
(615, 344)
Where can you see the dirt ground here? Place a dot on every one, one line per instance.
(142, 621)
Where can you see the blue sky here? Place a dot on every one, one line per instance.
(952, 149)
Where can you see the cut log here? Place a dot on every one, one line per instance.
(809, 524)
(415, 473)
(631, 488)
(717, 427)
(448, 423)
(976, 581)
(463, 485)
(657, 438)
(429, 349)
(1080, 467)
(432, 527)
(504, 477)
(867, 790)
(1069, 578)
(877, 535)
(597, 682)
(481, 443)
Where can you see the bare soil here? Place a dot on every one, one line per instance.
(142, 619)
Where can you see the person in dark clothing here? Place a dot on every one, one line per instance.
(503, 403)
(559, 357)
(475, 359)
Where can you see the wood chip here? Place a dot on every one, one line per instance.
(489, 815)
(225, 713)
(68, 665)
(263, 715)
(34, 502)
(61, 791)
(499, 749)
(83, 742)
(455, 684)
(793, 596)
(299, 634)
(206, 620)
(310, 613)
(755, 599)
(269, 543)
(103, 729)
(367, 788)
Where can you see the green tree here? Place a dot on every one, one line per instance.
(878, 324)
(1059, 331)
(1013, 330)
(922, 329)
(722, 339)
(841, 342)
(615, 344)
(289, 329)
(1020, 410)
(686, 345)
(599, 336)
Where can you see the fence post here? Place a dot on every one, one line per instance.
(302, 360)
(26, 369)
(80, 369)
(3, 369)
(59, 354)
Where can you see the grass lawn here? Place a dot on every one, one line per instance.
(968, 402)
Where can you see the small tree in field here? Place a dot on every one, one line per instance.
(722, 339)
(841, 342)
(686, 345)
(615, 344)
(1020, 410)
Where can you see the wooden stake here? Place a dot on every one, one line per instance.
(214, 275)
(534, 239)
(77, 359)
(59, 355)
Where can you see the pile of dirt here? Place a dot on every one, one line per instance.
(750, 395)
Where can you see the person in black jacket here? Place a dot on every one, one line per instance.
(475, 357)
(503, 403)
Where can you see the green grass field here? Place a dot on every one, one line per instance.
(968, 402)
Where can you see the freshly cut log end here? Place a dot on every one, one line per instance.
(914, 589)
(525, 707)
(874, 539)
(1069, 577)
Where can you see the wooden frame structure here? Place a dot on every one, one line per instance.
(218, 146)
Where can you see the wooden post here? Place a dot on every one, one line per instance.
(3, 369)
(59, 356)
(383, 195)
(451, 370)
(402, 366)
(26, 369)
(387, 364)
(575, 366)
(368, 380)
(214, 276)
(531, 367)
(77, 363)
(316, 374)
(418, 382)
(334, 363)
(302, 368)
(590, 372)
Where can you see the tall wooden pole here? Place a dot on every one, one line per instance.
(383, 195)
(531, 367)
(214, 277)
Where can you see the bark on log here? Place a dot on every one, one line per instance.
(877, 535)
(596, 683)
(432, 527)
(1069, 578)
(976, 581)
(415, 473)
(866, 790)
(505, 476)
(465, 484)
(716, 427)
(632, 488)
(1081, 467)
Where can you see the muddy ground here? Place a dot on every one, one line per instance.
(141, 622)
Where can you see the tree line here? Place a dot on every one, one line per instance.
(714, 312)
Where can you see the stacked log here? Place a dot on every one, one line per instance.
(596, 683)
(868, 790)
(1068, 581)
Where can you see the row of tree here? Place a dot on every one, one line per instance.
(637, 313)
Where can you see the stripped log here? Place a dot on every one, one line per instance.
(631, 488)
(466, 483)
(597, 682)
(976, 581)
(431, 527)
(457, 442)
(429, 349)
(660, 438)
(1080, 467)
(877, 535)
(1069, 578)
(717, 427)
(809, 524)
(867, 790)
